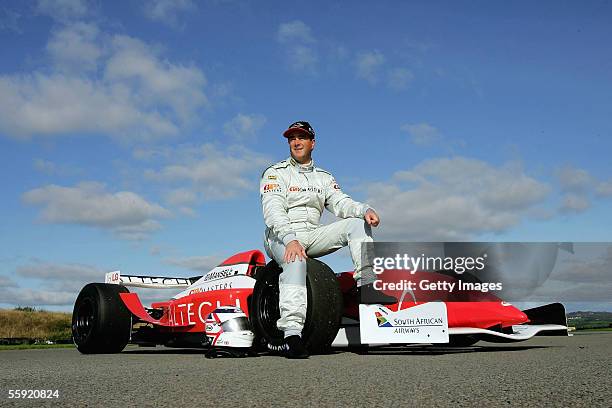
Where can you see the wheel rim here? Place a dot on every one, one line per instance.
(84, 320)
(268, 312)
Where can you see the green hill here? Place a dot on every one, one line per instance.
(589, 320)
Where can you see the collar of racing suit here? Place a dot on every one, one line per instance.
(302, 168)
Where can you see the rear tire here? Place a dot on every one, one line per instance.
(101, 323)
(323, 314)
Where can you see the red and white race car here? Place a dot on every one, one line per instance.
(235, 306)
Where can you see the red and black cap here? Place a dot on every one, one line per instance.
(300, 127)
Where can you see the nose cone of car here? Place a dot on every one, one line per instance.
(484, 314)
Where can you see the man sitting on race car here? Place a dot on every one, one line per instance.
(293, 195)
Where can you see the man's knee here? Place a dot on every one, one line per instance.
(358, 228)
(294, 273)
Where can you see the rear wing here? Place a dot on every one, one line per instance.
(249, 260)
(153, 282)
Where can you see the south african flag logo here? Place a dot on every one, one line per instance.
(382, 321)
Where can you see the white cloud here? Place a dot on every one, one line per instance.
(137, 232)
(181, 196)
(243, 126)
(125, 90)
(370, 67)
(576, 203)
(183, 199)
(574, 179)
(51, 168)
(167, 11)
(368, 64)
(591, 263)
(64, 10)
(604, 189)
(298, 42)
(374, 67)
(580, 188)
(188, 211)
(125, 213)
(50, 105)
(7, 282)
(35, 297)
(301, 58)
(196, 263)
(61, 283)
(581, 276)
(422, 134)
(453, 199)
(151, 153)
(75, 48)
(58, 272)
(294, 31)
(399, 78)
(560, 291)
(211, 173)
(136, 64)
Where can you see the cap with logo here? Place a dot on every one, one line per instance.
(300, 127)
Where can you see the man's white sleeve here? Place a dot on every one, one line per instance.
(340, 204)
(274, 203)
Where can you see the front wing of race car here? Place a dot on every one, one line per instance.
(520, 332)
(547, 320)
(425, 324)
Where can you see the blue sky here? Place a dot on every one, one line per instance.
(133, 134)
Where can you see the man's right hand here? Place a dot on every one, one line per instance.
(293, 251)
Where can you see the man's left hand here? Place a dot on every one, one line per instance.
(371, 217)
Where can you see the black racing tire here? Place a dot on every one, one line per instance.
(323, 315)
(462, 340)
(101, 323)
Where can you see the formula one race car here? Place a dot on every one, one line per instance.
(235, 307)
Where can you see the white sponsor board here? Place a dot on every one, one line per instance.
(426, 323)
(113, 278)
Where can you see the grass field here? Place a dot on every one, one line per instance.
(28, 323)
(34, 346)
(600, 329)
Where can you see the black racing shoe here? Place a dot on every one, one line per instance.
(367, 295)
(295, 348)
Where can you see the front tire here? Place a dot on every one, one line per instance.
(101, 323)
(323, 315)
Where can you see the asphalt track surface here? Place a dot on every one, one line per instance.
(544, 371)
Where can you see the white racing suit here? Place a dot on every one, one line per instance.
(293, 197)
